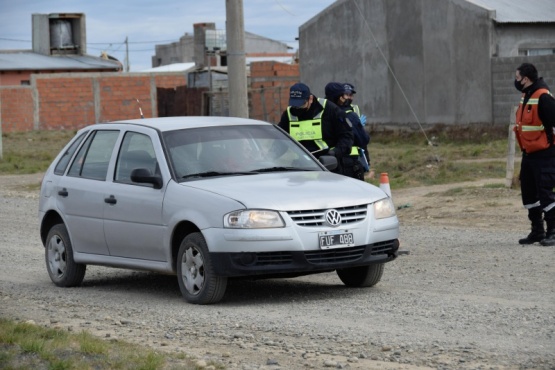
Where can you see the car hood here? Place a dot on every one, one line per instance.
(292, 190)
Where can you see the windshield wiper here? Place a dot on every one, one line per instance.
(215, 173)
(280, 169)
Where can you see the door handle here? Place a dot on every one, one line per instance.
(111, 200)
(63, 193)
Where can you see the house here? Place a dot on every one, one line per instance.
(429, 62)
(207, 45)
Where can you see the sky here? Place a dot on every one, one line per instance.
(146, 22)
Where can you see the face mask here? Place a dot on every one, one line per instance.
(297, 111)
(518, 85)
(348, 101)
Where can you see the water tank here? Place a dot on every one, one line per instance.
(61, 35)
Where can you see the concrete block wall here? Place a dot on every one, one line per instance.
(505, 96)
(269, 89)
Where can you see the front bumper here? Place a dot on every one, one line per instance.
(302, 262)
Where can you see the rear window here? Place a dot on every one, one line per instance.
(61, 166)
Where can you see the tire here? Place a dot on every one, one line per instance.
(195, 274)
(63, 270)
(363, 276)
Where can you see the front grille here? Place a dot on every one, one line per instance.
(335, 255)
(273, 258)
(315, 218)
(323, 256)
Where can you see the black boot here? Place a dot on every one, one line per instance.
(549, 240)
(536, 235)
(538, 232)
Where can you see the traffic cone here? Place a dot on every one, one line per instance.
(384, 183)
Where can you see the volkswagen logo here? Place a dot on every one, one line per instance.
(333, 218)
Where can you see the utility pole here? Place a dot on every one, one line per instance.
(126, 55)
(1, 149)
(236, 65)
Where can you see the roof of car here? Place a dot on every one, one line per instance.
(175, 123)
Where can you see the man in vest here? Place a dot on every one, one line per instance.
(336, 93)
(534, 129)
(362, 138)
(319, 125)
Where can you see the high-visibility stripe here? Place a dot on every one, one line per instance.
(532, 128)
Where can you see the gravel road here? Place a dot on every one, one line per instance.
(465, 298)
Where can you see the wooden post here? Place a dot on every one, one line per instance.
(511, 150)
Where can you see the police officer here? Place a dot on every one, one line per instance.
(336, 93)
(319, 125)
(535, 120)
(362, 139)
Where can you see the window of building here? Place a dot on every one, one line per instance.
(538, 51)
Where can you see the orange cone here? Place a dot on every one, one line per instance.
(384, 183)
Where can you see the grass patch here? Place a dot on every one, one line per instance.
(31, 152)
(26, 346)
(457, 154)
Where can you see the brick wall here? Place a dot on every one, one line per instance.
(64, 102)
(74, 100)
(16, 108)
(269, 89)
(120, 98)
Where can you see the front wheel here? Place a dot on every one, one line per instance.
(195, 274)
(363, 276)
(63, 270)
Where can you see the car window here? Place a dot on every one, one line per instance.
(234, 149)
(93, 158)
(136, 151)
(64, 161)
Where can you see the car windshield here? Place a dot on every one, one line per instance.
(234, 150)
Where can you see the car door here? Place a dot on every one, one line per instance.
(133, 216)
(80, 193)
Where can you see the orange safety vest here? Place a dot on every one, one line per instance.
(529, 129)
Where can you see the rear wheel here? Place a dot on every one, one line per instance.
(363, 276)
(195, 274)
(63, 270)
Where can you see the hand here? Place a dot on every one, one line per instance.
(363, 120)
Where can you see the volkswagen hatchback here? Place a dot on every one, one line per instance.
(208, 199)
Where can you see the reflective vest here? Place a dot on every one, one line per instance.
(309, 129)
(356, 151)
(356, 109)
(529, 129)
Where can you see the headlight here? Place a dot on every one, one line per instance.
(384, 208)
(253, 219)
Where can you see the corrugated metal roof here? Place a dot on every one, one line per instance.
(27, 60)
(520, 11)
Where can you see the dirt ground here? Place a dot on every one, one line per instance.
(484, 203)
(467, 307)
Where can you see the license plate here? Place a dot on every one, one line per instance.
(336, 239)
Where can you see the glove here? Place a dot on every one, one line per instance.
(363, 120)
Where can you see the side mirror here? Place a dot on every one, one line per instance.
(143, 176)
(329, 161)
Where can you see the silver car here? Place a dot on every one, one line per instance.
(207, 199)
